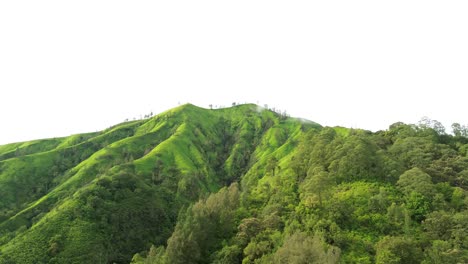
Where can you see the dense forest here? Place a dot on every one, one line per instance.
(237, 185)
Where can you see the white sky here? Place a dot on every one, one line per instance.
(81, 66)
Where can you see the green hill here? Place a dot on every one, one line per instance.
(236, 185)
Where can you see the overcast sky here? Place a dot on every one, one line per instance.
(81, 66)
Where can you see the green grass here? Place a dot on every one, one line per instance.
(342, 131)
(26, 148)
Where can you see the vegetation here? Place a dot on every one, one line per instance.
(237, 185)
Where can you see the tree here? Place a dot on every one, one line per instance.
(416, 180)
(379, 202)
(414, 151)
(442, 252)
(272, 163)
(438, 225)
(397, 250)
(419, 205)
(247, 229)
(255, 250)
(299, 248)
(399, 130)
(202, 227)
(356, 158)
(459, 130)
(228, 254)
(427, 123)
(317, 182)
(398, 216)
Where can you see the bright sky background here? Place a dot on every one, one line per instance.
(81, 66)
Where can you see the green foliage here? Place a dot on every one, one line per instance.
(156, 189)
(203, 227)
(317, 183)
(397, 250)
(356, 159)
(443, 252)
(302, 249)
(415, 180)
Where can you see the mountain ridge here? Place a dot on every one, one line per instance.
(242, 184)
(166, 139)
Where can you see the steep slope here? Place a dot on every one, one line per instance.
(101, 197)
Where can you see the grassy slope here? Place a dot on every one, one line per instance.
(83, 198)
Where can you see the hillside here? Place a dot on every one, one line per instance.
(236, 185)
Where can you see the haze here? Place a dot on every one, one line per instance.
(69, 67)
